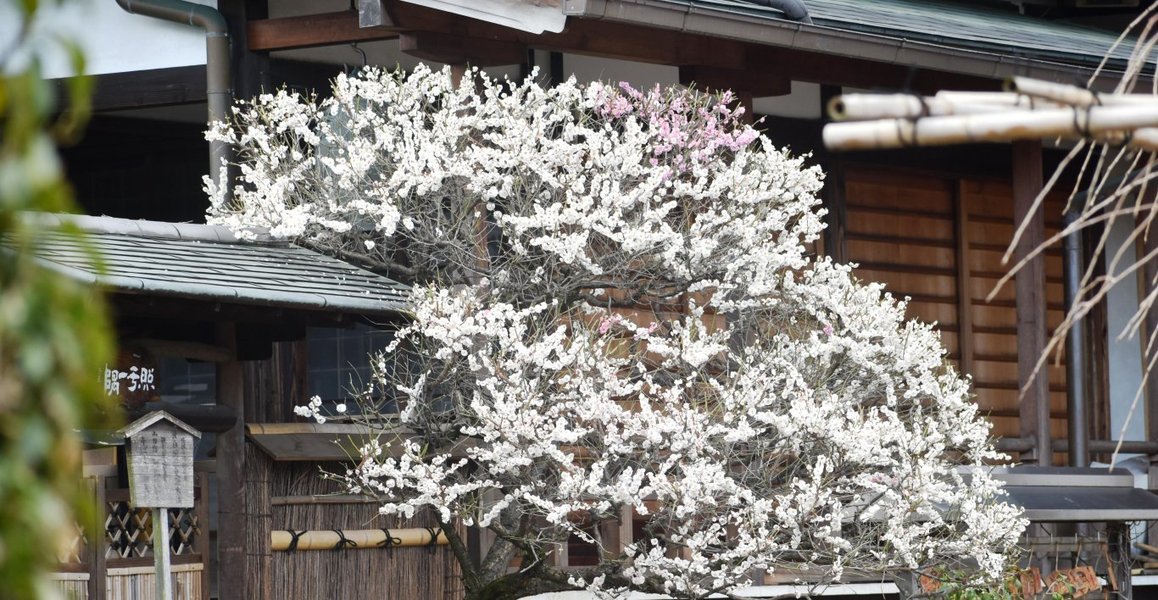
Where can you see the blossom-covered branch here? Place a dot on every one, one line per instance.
(614, 313)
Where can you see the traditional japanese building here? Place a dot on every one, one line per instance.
(230, 335)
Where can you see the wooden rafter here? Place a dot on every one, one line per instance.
(445, 48)
(324, 29)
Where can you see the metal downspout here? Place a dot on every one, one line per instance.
(218, 93)
(793, 9)
(1078, 432)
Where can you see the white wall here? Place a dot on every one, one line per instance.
(1125, 368)
(802, 103)
(639, 75)
(113, 40)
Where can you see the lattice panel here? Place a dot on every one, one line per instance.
(74, 552)
(183, 530)
(129, 531)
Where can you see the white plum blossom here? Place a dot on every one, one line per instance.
(312, 410)
(615, 315)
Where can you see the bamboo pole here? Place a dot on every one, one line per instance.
(995, 127)
(281, 540)
(1073, 95)
(322, 499)
(859, 107)
(1043, 97)
(1005, 99)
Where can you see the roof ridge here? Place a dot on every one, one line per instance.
(152, 229)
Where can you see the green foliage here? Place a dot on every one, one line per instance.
(1018, 583)
(54, 335)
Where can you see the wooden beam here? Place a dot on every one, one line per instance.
(141, 89)
(455, 50)
(1029, 285)
(308, 31)
(231, 530)
(818, 67)
(331, 441)
(607, 39)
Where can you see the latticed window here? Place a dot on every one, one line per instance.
(129, 531)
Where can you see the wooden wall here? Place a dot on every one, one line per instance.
(939, 240)
(421, 573)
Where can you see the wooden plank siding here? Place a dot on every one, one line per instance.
(939, 241)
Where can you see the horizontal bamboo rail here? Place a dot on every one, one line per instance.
(322, 499)
(1030, 109)
(284, 540)
(995, 127)
(859, 107)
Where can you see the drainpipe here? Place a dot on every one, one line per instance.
(793, 9)
(1079, 455)
(217, 91)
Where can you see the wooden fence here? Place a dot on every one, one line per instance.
(120, 565)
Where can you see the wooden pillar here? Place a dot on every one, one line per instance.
(1031, 303)
(97, 570)
(833, 193)
(230, 475)
(964, 283)
(201, 545)
(251, 72)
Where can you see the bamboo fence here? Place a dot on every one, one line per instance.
(1030, 109)
(372, 571)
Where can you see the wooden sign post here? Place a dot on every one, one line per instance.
(160, 455)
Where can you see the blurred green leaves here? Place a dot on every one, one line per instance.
(54, 333)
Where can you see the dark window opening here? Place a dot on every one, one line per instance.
(340, 370)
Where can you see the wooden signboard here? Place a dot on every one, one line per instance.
(160, 451)
(160, 454)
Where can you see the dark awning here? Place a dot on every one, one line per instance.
(1064, 494)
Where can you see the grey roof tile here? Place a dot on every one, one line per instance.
(986, 25)
(206, 262)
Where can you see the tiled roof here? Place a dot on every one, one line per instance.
(981, 38)
(210, 263)
(985, 25)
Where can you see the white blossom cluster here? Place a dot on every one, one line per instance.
(614, 313)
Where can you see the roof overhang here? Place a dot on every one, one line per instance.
(530, 16)
(724, 21)
(209, 263)
(1056, 494)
